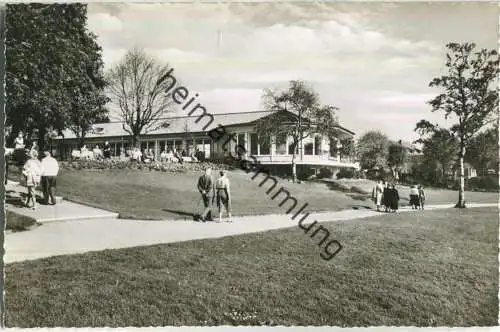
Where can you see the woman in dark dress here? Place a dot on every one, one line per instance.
(394, 204)
(386, 197)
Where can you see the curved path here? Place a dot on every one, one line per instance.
(79, 236)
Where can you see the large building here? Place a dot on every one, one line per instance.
(193, 132)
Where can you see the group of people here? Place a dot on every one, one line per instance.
(218, 191)
(96, 153)
(417, 197)
(386, 195)
(36, 172)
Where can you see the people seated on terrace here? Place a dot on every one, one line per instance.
(84, 152)
(193, 157)
(178, 156)
(163, 156)
(107, 150)
(136, 155)
(151, 155)
(97, 153)
(171, 157)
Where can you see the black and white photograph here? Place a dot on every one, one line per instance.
(269, 164)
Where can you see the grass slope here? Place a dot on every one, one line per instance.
(158, 195)
(430, 268)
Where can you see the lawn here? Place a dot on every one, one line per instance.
(18, 223)
(431, 268)
(159, 195)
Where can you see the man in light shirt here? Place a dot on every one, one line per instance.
(49, 174)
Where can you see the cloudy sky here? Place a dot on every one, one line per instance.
(372, 60)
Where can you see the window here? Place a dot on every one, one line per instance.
(265, 146)
(254, 144)
(178, 145)
(162, 146)
(308, 148)
(317, 145)
(281, 148)
(290, 148)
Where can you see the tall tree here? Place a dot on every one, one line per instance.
(482, 151)
(89, 99)
(396, 156)
(47, 64)
(439, 145)
(137, 85)
(298, 114)
(470, 95)
(372, 148)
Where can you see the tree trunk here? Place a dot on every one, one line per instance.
(461, 190)
(443, 170)
(42, 131)
(294, 169)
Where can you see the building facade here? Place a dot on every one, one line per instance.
(192, 133)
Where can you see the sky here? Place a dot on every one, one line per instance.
(373, 61)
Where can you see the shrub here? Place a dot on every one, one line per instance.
(480, 183)
(155, 166)
(325, 173)
(304, 172)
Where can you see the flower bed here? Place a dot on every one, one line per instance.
(156, 166)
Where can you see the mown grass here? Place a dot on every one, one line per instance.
(431, 268)
(159, 195)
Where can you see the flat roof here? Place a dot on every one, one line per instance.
(179, 124)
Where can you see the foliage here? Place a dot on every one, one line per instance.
(154, 166)
(138, 85)
(396, 155)
(482, 151)
(349, 173)
(52, 59)
(439, 147)
(325, 173)
(297, 114)
(372, 150)
(469, 95)
(348, 148)
(483, 183)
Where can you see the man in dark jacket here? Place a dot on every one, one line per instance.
(206, 189)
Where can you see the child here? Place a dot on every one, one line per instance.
(421, 196)
(32, 171)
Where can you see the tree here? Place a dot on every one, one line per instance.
(482, 151)
(50, 52)
(297, 114)
(396, 156)
(137, 85)
(89, 99)
(439, 145)
(348, 148)
(372, 149)
(470, 95)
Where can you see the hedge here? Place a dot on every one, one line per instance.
(154, 166)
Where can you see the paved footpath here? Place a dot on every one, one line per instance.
(79, 236)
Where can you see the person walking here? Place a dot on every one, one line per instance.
(377, 194)
(421, 196)
(414, 199)
(386, 196)
(223, 195)
(206, 189)
(394, 203)
(32, 171)
(49, 175)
